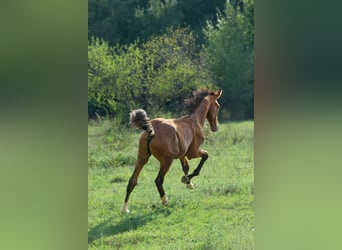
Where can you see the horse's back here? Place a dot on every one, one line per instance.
(165, 141)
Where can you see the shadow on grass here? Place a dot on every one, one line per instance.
(128, 223)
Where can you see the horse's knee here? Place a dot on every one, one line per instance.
(205, 155)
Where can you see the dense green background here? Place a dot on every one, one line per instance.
(43, 125)
(153, 54)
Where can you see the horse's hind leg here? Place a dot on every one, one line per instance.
(141, 161)
(164, 167)
(185, 178)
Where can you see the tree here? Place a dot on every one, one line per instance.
(123, 22)
(177, 69)
(156, 75)
(230, 58)
(115, 21)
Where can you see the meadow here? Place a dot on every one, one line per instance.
(217, 214)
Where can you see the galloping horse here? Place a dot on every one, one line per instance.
(169, 139)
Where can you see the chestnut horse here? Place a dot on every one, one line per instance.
(169, 139)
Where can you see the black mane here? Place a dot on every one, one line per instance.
(191, 104)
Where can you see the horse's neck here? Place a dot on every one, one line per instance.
(201, 112)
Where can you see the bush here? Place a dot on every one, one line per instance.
(230, 58)
(156, 75)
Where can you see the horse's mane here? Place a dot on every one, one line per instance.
(191, 104)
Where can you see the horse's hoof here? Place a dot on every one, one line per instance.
(165, 201)
(124, 209)
(185, 179)
(190, 185)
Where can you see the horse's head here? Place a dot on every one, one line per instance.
(212, 115)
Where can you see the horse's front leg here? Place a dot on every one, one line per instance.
(204, 155)
(185, 178)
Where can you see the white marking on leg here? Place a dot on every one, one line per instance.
(190, 185)
(165, 201)
(124, 208)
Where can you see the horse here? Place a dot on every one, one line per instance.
(170, 139)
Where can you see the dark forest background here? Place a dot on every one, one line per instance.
(152, 54)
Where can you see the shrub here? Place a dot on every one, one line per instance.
(156, 75)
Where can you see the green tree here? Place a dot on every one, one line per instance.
(100, 77)
(123, 22)
(177, 69)
(230, 58)
(115, 21)
(156, 75)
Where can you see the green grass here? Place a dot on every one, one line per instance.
(216, 214)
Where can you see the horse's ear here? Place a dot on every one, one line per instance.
(218, 94)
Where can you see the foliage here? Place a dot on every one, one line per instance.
(156, 75)
(176, 69)
(114, 20)
(100, 77)
(122, 22)
(216, 214)
(154, 66)
(230, 57)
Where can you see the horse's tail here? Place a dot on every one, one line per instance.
(140, 120)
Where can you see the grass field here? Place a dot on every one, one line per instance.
(216, 214)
